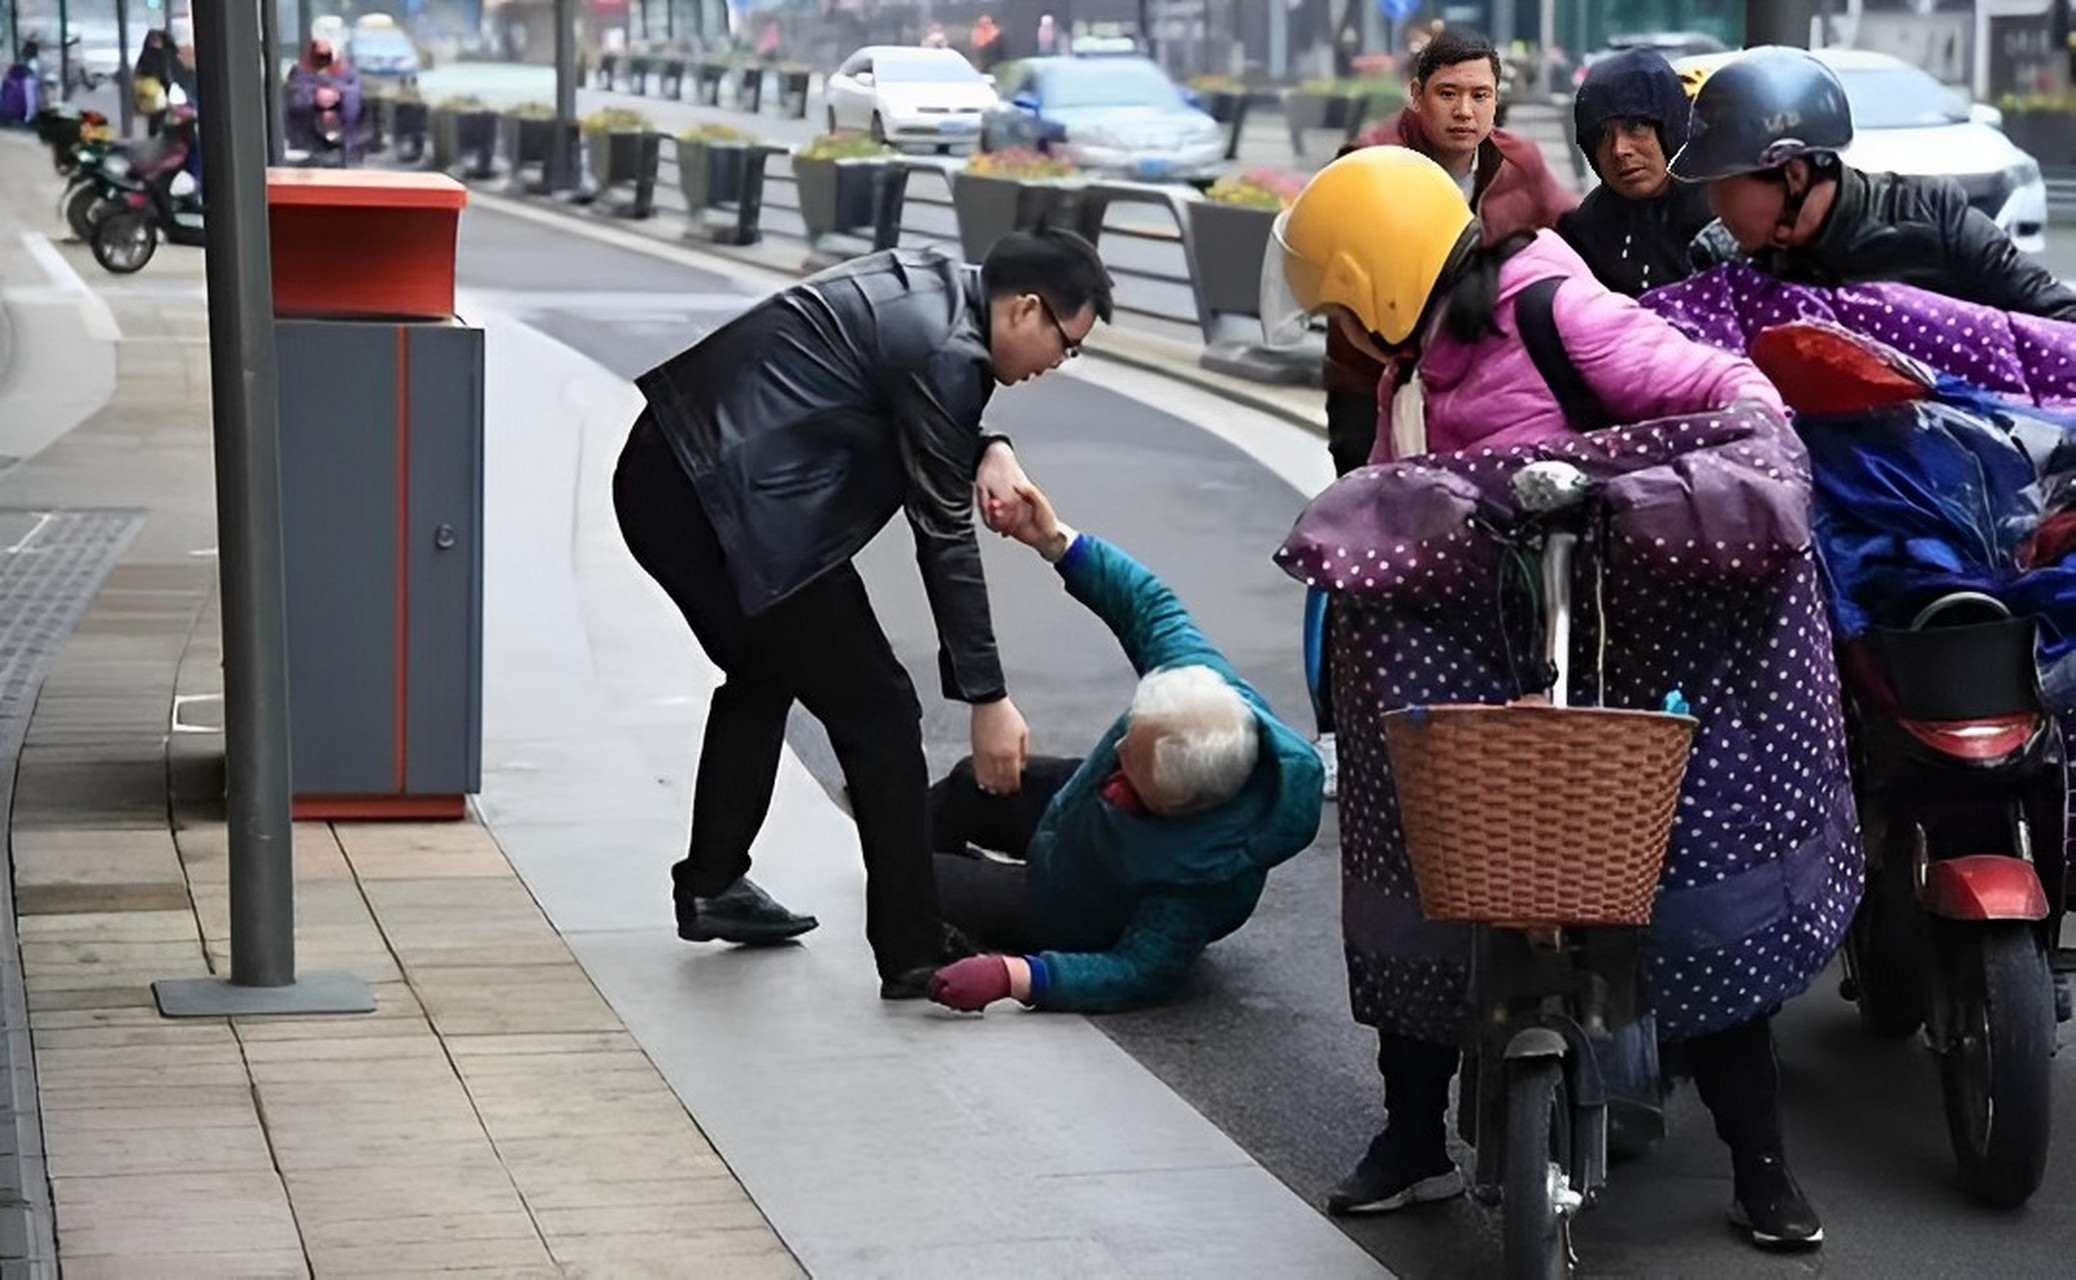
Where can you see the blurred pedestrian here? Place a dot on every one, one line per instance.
(151, 79)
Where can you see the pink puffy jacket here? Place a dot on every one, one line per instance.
(1489, 394)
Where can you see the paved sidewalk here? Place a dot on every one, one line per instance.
(493, 1116)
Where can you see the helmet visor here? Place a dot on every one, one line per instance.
(1289, 291)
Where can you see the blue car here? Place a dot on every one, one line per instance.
(1114, 115)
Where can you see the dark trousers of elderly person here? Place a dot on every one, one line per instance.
(822, 647)
(985, 899)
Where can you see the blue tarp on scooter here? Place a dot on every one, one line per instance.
(1944, 495)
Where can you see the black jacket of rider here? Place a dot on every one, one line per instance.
(1911, 230)
(809, 420)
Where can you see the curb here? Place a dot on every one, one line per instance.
(1144, 352)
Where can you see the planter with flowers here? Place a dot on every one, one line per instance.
(622, 148)
(2043, 126)
(1003, 191)
(839, 176)
(526, 135)
(1341, 105)
(464, 133)
(1229, 236)
(721, 172)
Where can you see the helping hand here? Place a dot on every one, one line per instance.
(972, 984)
(1001, 745)
(995, 486)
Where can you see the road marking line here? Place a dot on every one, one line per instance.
(100, 321)
(43, 519)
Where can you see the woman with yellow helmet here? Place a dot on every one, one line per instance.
(1514, 345)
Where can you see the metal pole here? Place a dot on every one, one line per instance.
(305, 20)
(125, 106)
(270, 103)
(14, 31)
(64, 53)
(243, 385)
(561, 164)
(248, 495)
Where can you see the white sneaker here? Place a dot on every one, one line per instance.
(1329, 756)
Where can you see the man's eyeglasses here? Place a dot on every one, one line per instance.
(1068, 347)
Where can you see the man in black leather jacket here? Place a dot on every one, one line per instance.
(1765, 135)
(770, 453)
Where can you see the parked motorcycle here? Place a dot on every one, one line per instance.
(1931, 519)
(145, 208)
(1958, 767)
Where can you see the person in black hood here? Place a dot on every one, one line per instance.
(1635, 228)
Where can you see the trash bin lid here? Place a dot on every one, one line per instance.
(364, 189)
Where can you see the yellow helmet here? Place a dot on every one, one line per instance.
(1372, 232)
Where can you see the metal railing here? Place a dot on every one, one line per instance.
(1151, 267)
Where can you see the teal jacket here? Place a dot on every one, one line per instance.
(1133, 898)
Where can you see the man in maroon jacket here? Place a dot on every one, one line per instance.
(1455, 90)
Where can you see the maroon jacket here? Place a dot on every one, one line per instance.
(1515, 191)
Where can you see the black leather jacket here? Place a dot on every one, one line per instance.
(1911, 230)
(809, 420)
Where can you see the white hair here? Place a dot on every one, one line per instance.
(1205, 737)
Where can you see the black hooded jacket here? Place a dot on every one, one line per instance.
(1634, 245)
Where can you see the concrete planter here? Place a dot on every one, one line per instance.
(721, 179)
(837, 196)
(625, 159)
(706, 82)
(1226, 246)
(792, 92)
(1304, 111)
(988, 208)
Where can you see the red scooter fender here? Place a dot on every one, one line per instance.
(1984, 886)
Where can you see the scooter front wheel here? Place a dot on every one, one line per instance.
(123, 242)
(84, 207)
(1538, 1199)
(1995, 1068)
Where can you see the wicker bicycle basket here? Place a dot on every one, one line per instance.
(1531, 815)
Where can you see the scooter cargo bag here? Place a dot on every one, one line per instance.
(1975, 672)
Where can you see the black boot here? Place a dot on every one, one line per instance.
(1409, 1162)
(913, 982)
(1738, 1077)
(739, 913)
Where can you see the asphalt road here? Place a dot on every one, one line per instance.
(1261, 1041)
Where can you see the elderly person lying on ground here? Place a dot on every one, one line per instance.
(1123, 866)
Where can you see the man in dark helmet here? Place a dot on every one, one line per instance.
(1637, 227)
(1765, 136)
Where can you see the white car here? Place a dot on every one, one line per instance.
(1904, 121)
(911, 96)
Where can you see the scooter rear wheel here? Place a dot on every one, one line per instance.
(1995, 1070)
(1537, 1190)
(125, 241)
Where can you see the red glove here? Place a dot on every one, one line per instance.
(972, 984)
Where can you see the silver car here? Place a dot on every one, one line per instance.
(1118, 115)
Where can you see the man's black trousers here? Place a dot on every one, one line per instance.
(822, 647)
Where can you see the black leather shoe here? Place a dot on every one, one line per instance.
(1771, 1207)
(912, 982)
(740, 913)
(909, 984)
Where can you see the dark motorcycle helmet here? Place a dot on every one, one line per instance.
(1760, 110)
